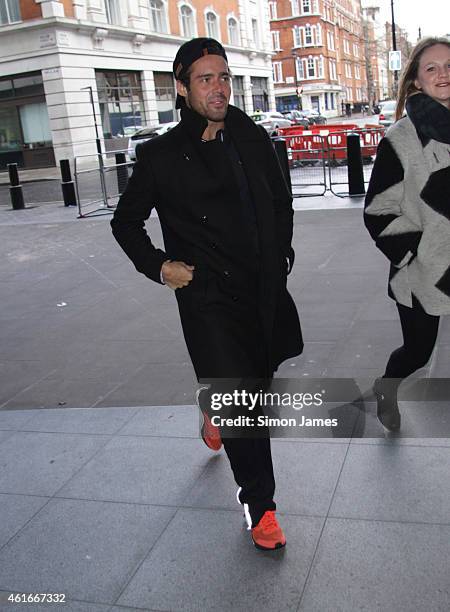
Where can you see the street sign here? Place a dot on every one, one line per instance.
(395, 60)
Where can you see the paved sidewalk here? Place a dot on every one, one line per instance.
(108, 495)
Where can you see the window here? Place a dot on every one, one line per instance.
(211, 26)
(112, 9)
(157, 16)
(357, 72)
(311, 70)
(233, 31)
(295, 7)
(277, 72)
(9, 11)
(165, 96)
(238, 92)
(300, 69)
(318, 34)
(121, 102)
(260, 93)
(308, 36)
(330, 36)
(355, 50)
(346, 46)
(187, 21)
(332, 100)
(255, 32)
(273, 10)
(320, 66)
(275, 41)
(348, 71)
(297, 36)
(332, 66)
(35, 123)
(306, 6)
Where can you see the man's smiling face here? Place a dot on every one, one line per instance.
(209, 87)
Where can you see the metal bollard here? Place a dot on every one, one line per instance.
(15, 189)
(281, 151)
(67, 186)
(356, 185)
(122, 172)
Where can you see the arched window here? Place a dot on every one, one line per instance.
(157, 16)
(211, 26)
(233, 31)
(187, 21)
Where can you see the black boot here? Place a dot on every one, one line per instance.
(387, 407)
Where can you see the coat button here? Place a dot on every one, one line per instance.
(234, 298)
(213, 245)
(226, 273)
(204, 219)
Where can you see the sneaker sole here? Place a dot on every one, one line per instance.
(277, 546)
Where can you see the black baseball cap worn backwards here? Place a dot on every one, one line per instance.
(189, 53)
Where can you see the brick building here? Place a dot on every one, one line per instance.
(319, 52)
(57, 52)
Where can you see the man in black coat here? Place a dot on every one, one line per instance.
(226, 217)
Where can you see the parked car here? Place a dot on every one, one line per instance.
(296, 117)
(146, 134)
(314, 117)
(271, 121)
(387, 113)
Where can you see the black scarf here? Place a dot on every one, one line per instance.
(430, 118)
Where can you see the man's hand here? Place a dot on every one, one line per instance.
(176, 274)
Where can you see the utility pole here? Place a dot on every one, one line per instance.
(394, 48)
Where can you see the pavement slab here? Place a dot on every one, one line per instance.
(377, 565)
(85, 549)
(168, 579)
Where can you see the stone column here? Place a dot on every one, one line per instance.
(149, 97)
(248, 94)
(70, 111)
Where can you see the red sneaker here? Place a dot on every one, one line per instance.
(268, 535)
(211, 434)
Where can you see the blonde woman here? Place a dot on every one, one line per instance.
(407, 212)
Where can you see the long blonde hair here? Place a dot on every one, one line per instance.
(409, 75)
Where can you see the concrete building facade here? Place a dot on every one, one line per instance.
(72, 68)
(319, 61)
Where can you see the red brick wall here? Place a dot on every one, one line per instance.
(30, 10)
(68, 8)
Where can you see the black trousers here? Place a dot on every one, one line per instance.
(247, 446)
(229, 352)
(419, 338)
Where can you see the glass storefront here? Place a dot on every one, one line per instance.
(260, 93)
(25, 136)
(238, 92)
(165, 97)
(121, 104)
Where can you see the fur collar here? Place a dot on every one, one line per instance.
(430, 118)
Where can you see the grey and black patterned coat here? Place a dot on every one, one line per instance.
(407, 208)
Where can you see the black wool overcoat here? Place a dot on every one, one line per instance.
(237, 316)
